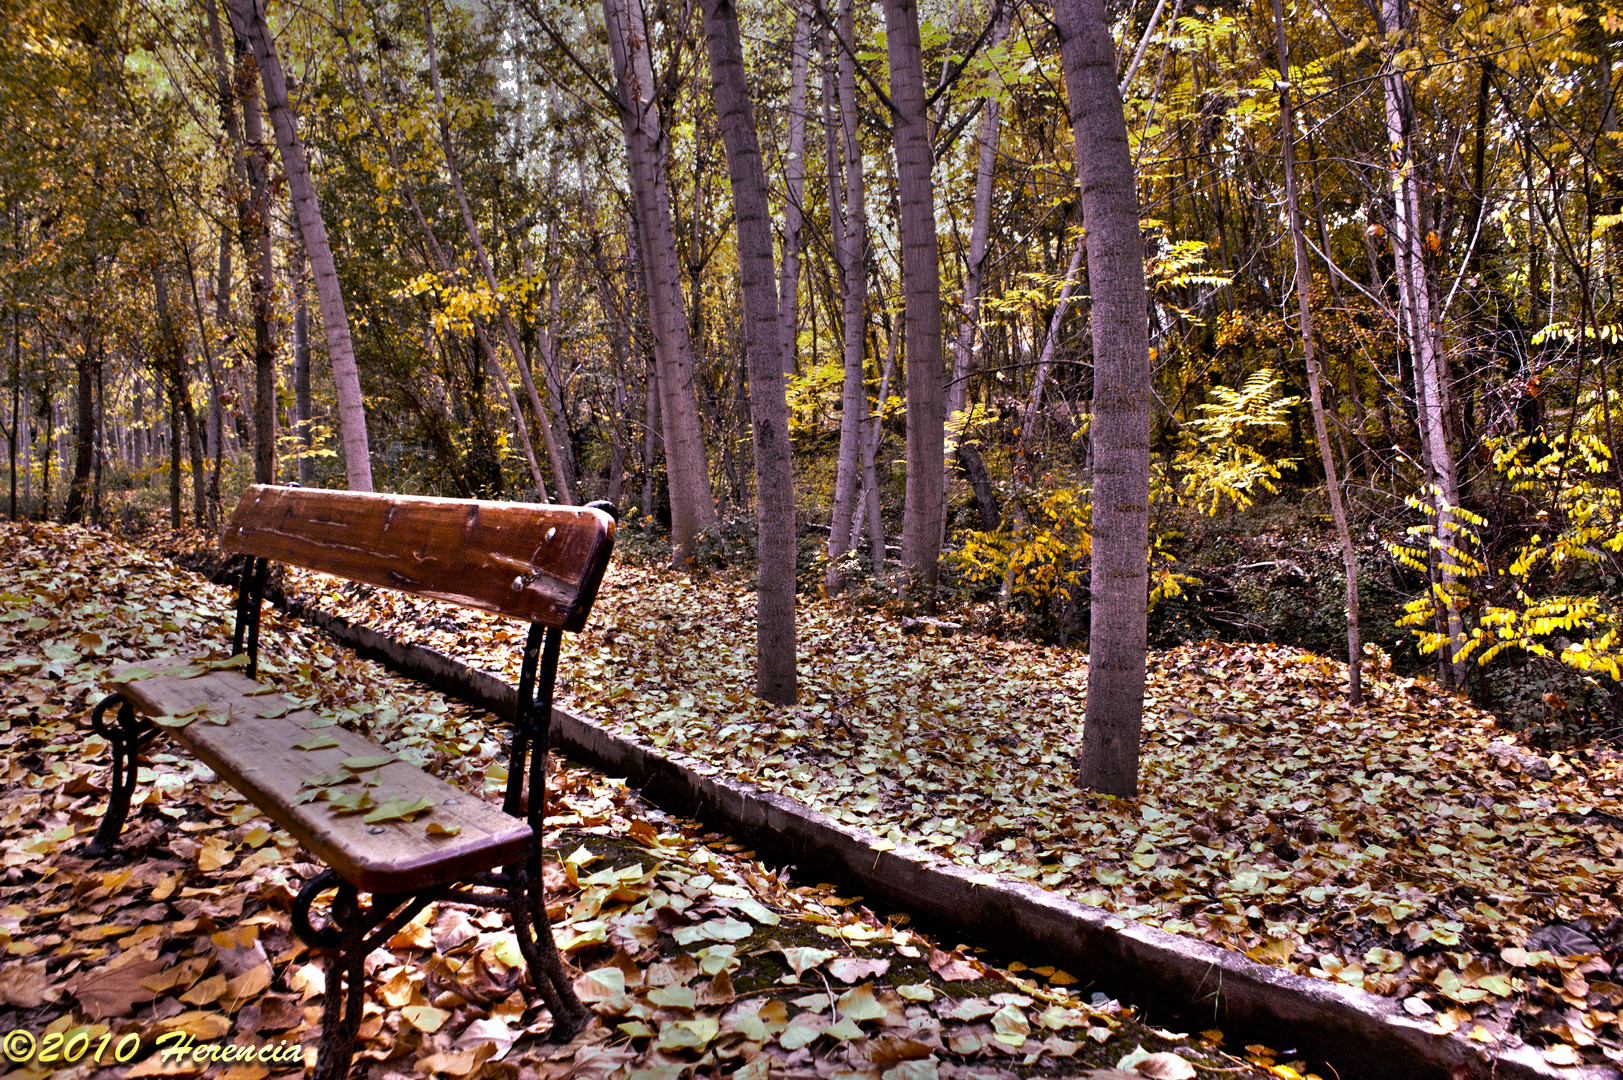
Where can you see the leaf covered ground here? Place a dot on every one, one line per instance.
(696, 959)
(1408, 847)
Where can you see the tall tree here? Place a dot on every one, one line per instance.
(562, 477)
(1304, 307)
(248, 20)
(764, 347)
(925, 501)
(1419, 328)
(1121, 401)
(851, 250)
(646, 138)
(794, 176)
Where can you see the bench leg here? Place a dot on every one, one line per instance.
(534, 932)
(346, 978)
(126, 737)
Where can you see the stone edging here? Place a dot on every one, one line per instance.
(1362, 1033)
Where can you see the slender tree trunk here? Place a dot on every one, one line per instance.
(851, 249)
(251, 199)
(171, 380)
(255, 214)
(301, 373)
(208, 490)
(687, 473)
(794, 169)
(1045, 362)
(1304, 302)
(560, 474)
(13, 434)
(764, 345)
(1408, 247)
(870, 511)
(980, 229)
(84, 429)
(248, 19)
(1121, 401)
(924, 505)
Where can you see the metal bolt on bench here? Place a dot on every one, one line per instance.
(542, 564)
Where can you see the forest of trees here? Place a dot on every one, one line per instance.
(852, 295)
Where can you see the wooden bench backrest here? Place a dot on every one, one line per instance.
(528, 561)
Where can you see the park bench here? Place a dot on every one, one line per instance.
(541, 564)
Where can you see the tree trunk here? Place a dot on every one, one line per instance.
(1304, 303)
(1414, 291)
(249, 21)
(763, 344)
(687, 473)
(560, 474)
(84, 430)
(923, 507)
(301, 374)
(980, 228)
(209, 490)
(14, 433)
(1121, 401)
(794, 170)
(851, 249)
(1045, 362)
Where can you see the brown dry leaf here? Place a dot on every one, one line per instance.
(850, 969)
(889, 1049)
(250, 983)
(203, 1026)
(952, 967)
(206, 992)
(27, 986)
(718, 991)
(115, 989)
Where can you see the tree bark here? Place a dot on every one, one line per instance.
(851, 249)
(1414, 292)
(687, 472)
(923, 506)
(248, 19)
(84, 430)
(1304, 304)
(764, 346)
(794, 170)
(980, 228)
(1045, 362)
(1121, 401)
(301, 374)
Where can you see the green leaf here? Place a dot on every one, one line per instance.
(436, 829)
(366, 761)
(327, 779)
(318, 742)
(399, 809)
(350, 802)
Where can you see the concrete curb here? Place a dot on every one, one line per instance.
(1362, 1034)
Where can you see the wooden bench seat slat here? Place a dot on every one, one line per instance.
(528, 561)
(256, 755)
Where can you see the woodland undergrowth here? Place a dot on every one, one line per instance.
(695, 957)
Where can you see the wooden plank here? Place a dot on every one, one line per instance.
(256, 755)
(529, 561)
